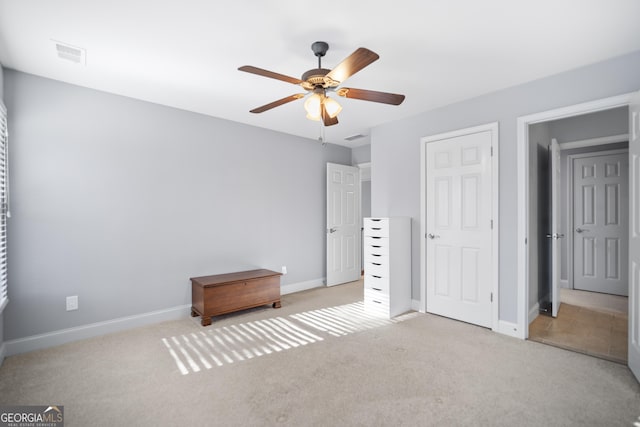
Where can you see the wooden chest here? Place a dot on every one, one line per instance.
(226, 293)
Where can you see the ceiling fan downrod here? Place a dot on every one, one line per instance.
(320, 49)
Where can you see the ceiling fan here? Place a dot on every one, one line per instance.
(318, 82)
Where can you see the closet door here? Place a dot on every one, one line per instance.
(343, 224)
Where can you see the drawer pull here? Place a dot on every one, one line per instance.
(375, 255)
(377, 277)
(374, 246)
(375, 263)
(374, 219)
(377, 289)
(377, 302)
(376, 228)
(375, 237)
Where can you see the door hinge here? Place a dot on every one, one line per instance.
(491, 151)
(491, 296)
(492, 224)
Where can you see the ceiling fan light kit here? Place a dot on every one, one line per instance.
(314, 104)
(318, 81)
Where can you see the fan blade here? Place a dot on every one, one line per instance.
(328, 121)
(270, 74)
(352, 64)
(371, 95)
(277, 103)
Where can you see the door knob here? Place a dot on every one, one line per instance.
(555, 236)
(332, 230)
(580, 230)
(433, 236)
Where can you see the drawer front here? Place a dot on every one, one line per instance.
(378, 227)
(376, 245)
(376, 283)
(377, 268)
(376, 304)
(376, 258)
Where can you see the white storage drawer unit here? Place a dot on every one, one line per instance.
(387, 265)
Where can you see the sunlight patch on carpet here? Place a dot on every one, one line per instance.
(197, 351)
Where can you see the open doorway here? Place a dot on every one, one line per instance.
(365, 198)
(588, 313)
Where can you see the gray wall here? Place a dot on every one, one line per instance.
(366, 199)
(395, 151)
(594, 125)
(361, 154)
(121, 201)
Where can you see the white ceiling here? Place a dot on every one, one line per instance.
(186, 53)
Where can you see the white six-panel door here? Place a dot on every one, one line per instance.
(343, 224)
(634, 235)
(459, 230)
(556, 234)
(600, 223)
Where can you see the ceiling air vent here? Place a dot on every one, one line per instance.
(354, 137)
(70, 53)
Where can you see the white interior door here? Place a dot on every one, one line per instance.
(459, 247)
(601, 223)
(634, 238)
(555, 235)
(343, 224)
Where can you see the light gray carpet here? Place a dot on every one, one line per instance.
(318, 362)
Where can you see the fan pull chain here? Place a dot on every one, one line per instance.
(321, 138)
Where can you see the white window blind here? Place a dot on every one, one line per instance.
(4, 203)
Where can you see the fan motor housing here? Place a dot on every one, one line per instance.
(315, 76)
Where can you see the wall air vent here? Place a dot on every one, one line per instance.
(354, 137)
(70, 53)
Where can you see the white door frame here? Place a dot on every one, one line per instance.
(495, 163)
(523, 189)
(570, 195)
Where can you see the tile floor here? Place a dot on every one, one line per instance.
(585, 330)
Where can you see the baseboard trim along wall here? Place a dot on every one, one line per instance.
(509, 328)
(415, 305)
(63, 336)
(301, 286)
(534, 312)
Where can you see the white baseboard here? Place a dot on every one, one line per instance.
(534, 312)
(63, 336)
(301, 286)
(415, 305)
(564, 283)
(511, 329)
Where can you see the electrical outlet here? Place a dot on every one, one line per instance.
(284, 269)
(72, 303)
